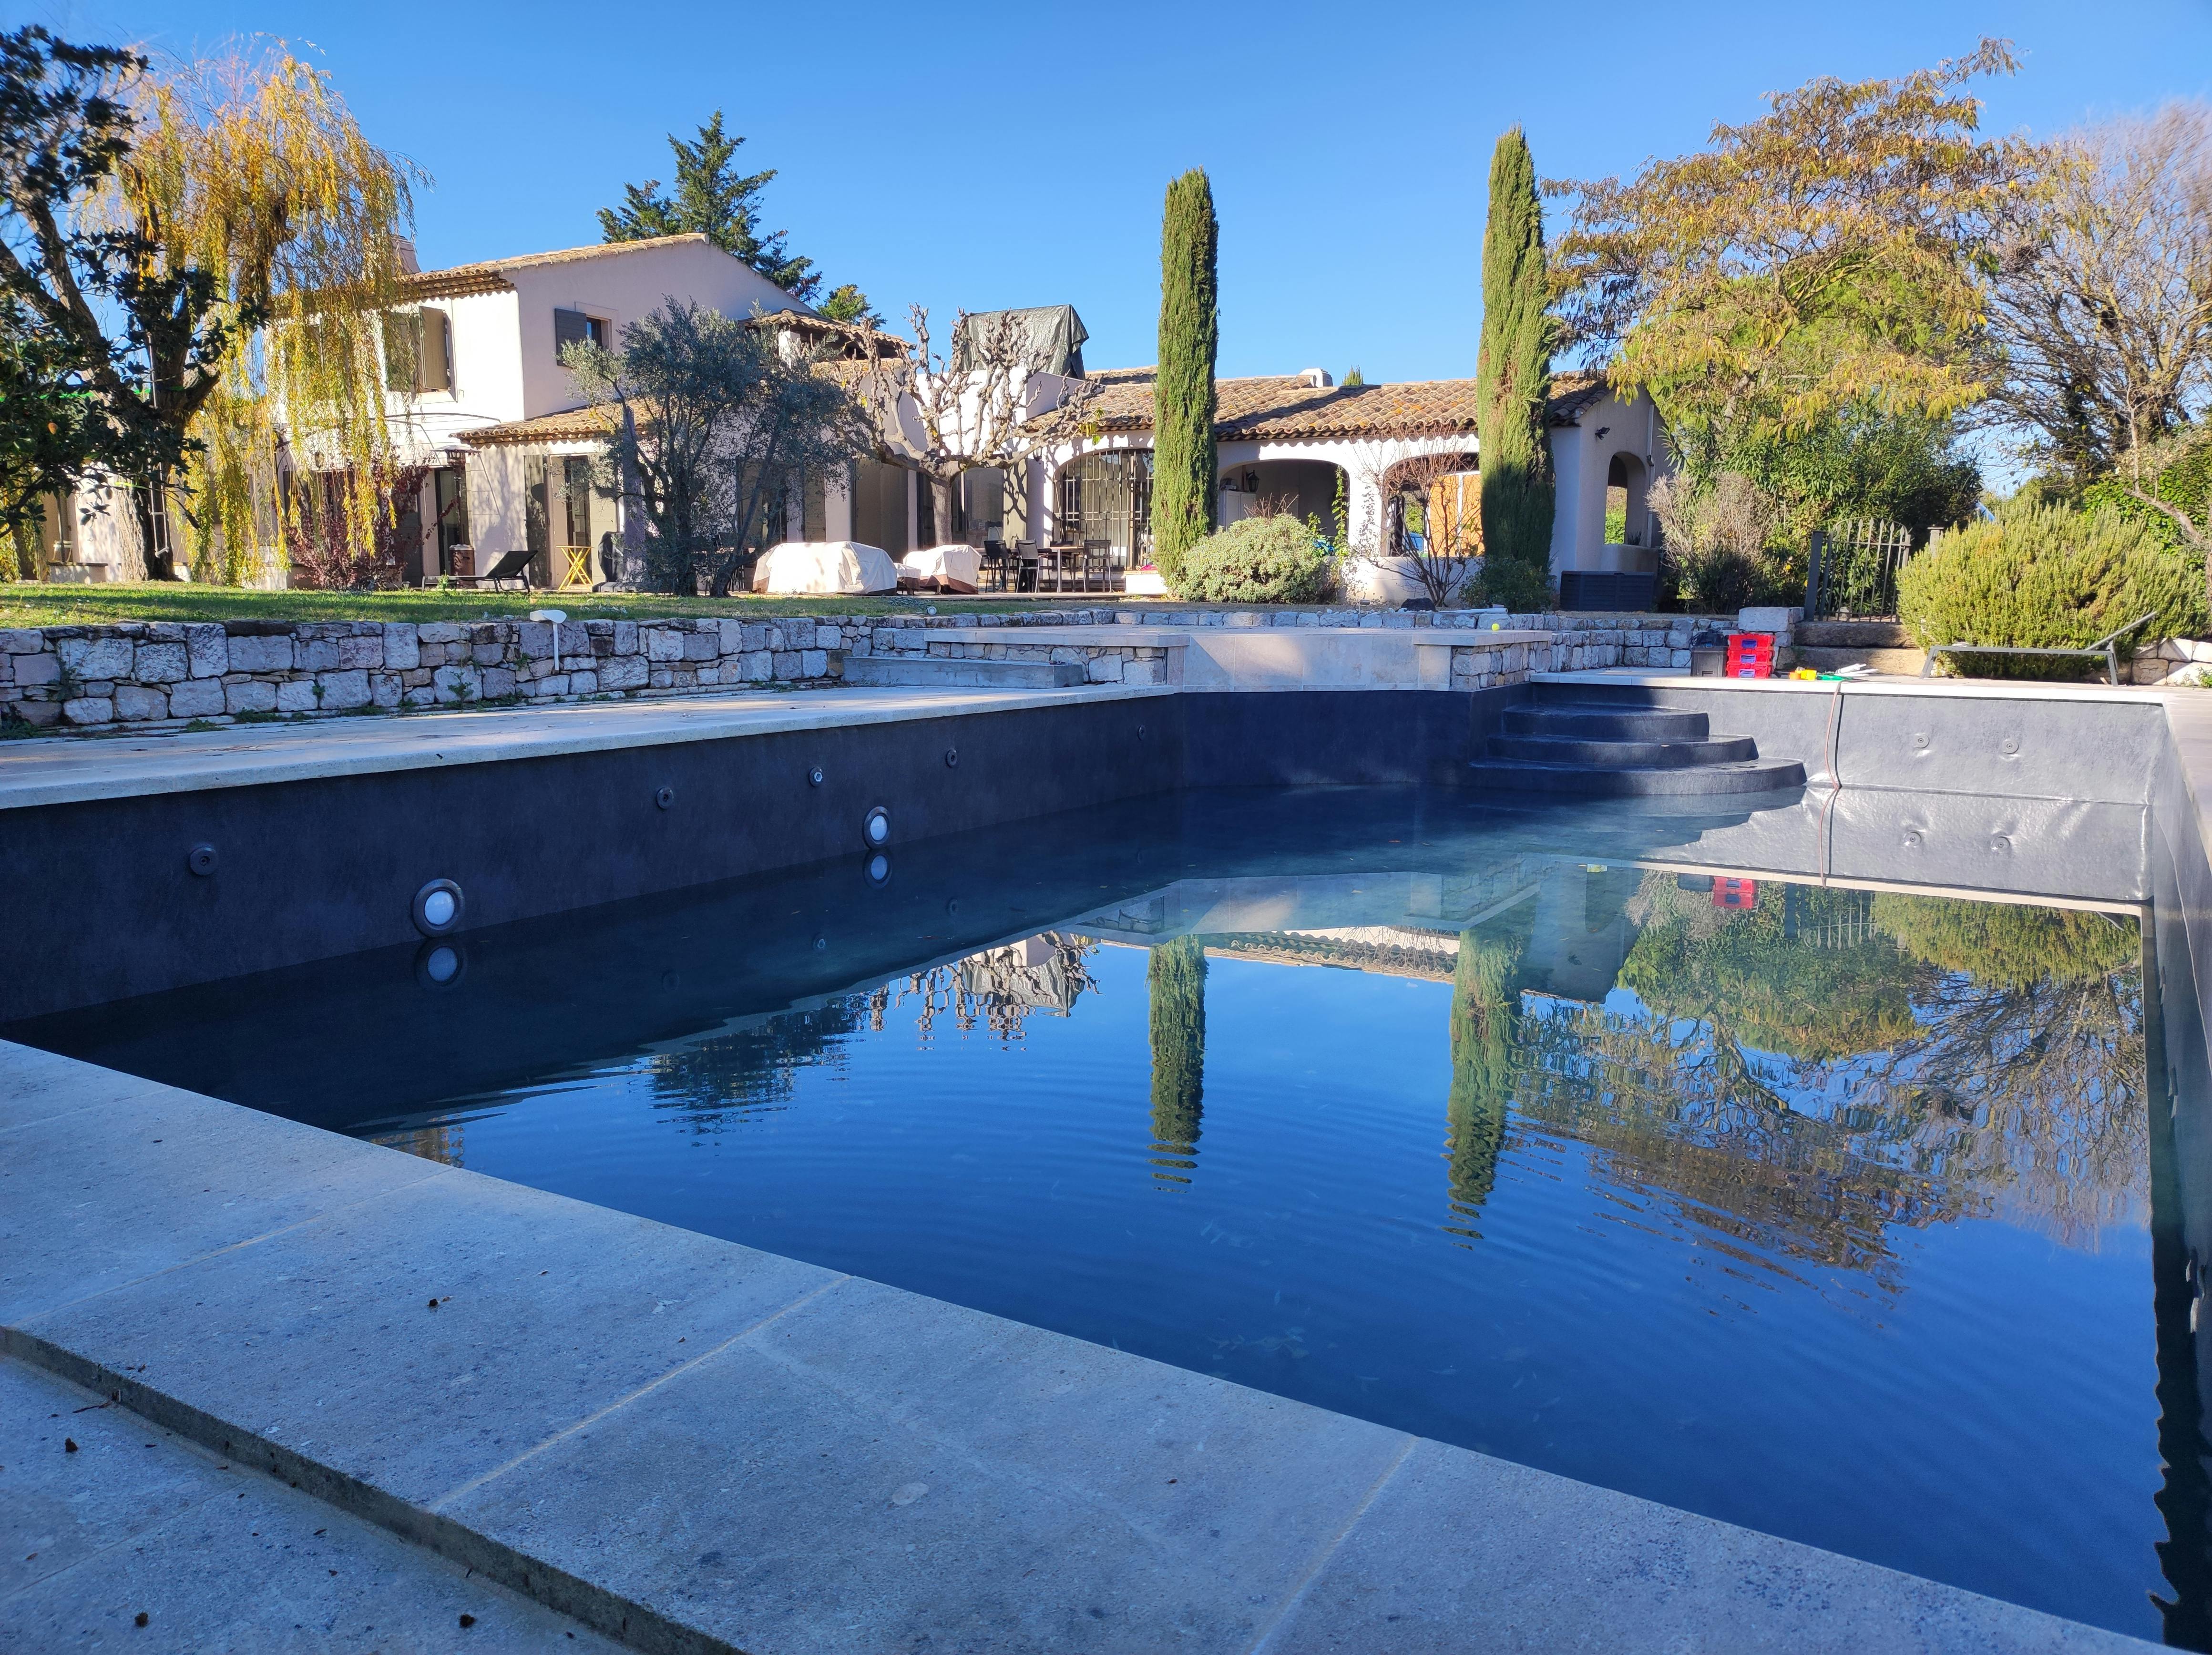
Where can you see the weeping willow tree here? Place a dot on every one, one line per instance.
(249, 169)
(1485, 1017)
(1175, 976)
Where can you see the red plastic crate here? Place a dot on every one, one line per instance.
(1751, 655)
(1736, 893)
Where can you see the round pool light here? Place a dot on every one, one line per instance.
(876, 827)
(879, 869)
(437, 907)
(438, 966)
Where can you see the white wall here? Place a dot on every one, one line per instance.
(1581, 459)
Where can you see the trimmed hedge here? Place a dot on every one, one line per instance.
(2049, 577)
(1272, 559)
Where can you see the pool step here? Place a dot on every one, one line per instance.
(1625, 754)
(1607, 723)
(944, 672)
(1569, 743)
(1740, 776)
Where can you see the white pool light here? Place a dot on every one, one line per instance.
(876, 828)
(437, 907)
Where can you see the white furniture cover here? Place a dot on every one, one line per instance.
(821, 569)
(963, 564)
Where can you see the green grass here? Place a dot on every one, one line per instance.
(30, 603)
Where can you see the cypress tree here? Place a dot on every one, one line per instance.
(1175, 978)
(1183, 394)
(1513, 374)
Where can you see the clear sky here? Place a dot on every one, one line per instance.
(990, 155)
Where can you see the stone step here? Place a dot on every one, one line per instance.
(1853, 634)
(1625, 754)
(1525, 776)
(1600, 721)
(1896, 663)
(942, 672)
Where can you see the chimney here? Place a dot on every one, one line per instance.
(404, 250)
(1316, 378)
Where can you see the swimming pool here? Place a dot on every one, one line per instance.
(1835, 1213)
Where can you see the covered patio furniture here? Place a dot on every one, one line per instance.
(950, 568)
(824, 568)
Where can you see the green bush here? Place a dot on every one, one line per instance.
(1270, 560)
(2051, 577)
(1520, 586)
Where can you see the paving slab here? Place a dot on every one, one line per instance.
(843, 1466)
(138, 1521)
(1462, 1551)
(878, 1471)
(321, 1340)
(213, 1177)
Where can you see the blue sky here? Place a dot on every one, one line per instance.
(989, 155)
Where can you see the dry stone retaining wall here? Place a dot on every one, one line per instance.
(141, 674)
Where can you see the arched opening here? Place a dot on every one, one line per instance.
(1627, 521)
(1298, 488)
(1434, 504)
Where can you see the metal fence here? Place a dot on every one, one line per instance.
(1852, 573)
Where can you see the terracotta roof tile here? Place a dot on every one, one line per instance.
(591, 423)
(1285, 407)
(490, 275)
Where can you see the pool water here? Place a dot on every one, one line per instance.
(1827, 1212)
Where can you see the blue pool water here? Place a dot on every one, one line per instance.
(1825, 1212)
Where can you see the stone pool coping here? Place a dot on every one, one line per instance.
(694, 1446)
(1971, 689)
(33, 773)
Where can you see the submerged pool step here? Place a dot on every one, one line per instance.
(1570, 741)
(1597, 722)
(1736, 776)
(937, 672)
(1625, 754)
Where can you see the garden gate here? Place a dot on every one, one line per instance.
(1852, 573)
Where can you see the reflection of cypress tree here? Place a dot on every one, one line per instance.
(1485, 1008)
(1176, 979)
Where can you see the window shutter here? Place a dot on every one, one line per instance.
(569, 328)
(434, 366)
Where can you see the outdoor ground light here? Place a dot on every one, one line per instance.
(437, 907)
(876, 827)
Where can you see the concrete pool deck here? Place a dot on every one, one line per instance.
(692, 1445)
(72, 770)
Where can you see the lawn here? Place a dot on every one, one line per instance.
(32, 604)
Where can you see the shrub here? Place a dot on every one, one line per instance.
(1520, 586)
(2051, 577)
(1271, 560)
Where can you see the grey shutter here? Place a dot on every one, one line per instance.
(569, 328)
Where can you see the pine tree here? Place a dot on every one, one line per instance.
(712, 199)
(848, 304)
(1513, 374)
(1182, 393)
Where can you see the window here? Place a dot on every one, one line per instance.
(572, 327)
(433, 356)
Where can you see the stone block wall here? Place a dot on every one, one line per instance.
(160, 674)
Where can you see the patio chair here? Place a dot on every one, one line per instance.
(2106, 649)
(511, 571)
(1097, 566)
(1001, 569)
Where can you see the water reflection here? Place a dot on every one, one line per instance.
(1174, 977)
